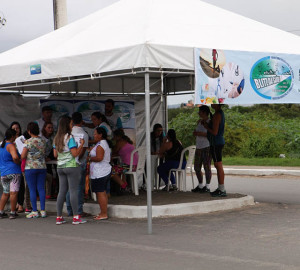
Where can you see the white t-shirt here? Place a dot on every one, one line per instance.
(79, 133)
(102, 168)
(114, 121)
(20, 143)
(201, 142)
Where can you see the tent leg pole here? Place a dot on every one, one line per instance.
(166, 113)
(164, 104)
(148, 148)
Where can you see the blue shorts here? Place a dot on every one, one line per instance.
(100, 184)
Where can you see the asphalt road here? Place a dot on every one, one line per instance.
(264, 236)
(274, 189)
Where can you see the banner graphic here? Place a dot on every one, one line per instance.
(238, 77)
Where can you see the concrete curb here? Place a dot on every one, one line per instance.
(257, 172)
(129, 211)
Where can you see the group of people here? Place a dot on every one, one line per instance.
(210, 141)
(24, 158)
(26, 171)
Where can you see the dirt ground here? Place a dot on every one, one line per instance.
(163, 198)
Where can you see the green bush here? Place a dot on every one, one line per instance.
(267, 145)
(254, 131)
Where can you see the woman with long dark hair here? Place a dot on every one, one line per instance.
(17, 127)
(100, 120)
(48, 136)
(10, 173)
(123, 148)
(35, 168)
(171, 150)
(100, 170)
(202, 155)
(65, 150)
(156, 138)
(20, 145)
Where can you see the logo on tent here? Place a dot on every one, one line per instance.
(272, 77)
(35, 69)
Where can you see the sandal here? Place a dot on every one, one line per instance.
(100, 218)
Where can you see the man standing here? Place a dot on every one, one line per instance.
(46, 118)
(113, 119)
(217, 142)
(79, 133)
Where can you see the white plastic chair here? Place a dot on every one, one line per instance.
(180, 174)
(140, 168)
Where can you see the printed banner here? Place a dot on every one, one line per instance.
(124, 109)
(238, 77)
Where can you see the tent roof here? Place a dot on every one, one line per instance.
(140, 33)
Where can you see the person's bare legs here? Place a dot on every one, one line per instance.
(13, 200)
(199, 175)
(102, 200)
(220, 172)
(3, 201)
(118, 179)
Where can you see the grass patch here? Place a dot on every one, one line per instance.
(284, 162)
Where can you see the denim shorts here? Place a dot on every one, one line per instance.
(100, 184)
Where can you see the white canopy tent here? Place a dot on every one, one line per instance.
(135, 34)
(132, 47)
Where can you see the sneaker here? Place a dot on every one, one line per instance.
(33, 214)
(3, 215)
(124, 191)
(218, 193)
(144, 187)
(196, 189)
(12, 215)
(43, 213)
(27, 211)
(173, 188)
(84, 214)
(201, 190)
(60, 220)
(165, 188)
(204, 190)
(77, 220)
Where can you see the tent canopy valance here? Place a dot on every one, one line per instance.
(125, 82)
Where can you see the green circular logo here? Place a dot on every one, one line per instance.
(272, 77)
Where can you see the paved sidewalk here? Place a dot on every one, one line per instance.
(260, 170)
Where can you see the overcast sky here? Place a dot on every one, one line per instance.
(29, 19)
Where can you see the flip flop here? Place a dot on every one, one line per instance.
(100, 218)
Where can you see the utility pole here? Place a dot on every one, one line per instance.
(60, 13)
